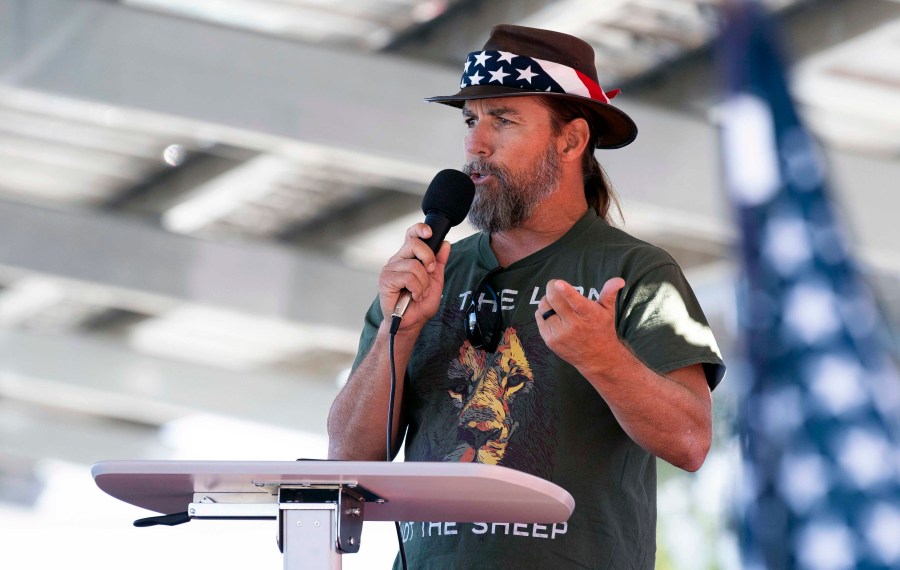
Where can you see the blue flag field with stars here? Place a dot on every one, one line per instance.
(820, 477)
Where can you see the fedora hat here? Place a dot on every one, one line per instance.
(518, 61)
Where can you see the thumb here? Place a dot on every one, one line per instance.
(608, 293)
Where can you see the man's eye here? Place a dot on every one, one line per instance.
(470, 122)
(503, 121)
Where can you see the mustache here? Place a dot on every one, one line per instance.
(483, 167)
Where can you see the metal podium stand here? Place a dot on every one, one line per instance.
(320, 505)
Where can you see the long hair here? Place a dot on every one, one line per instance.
(598, 190)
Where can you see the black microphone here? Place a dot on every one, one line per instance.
(446, 204)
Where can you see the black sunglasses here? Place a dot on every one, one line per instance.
(483, 326)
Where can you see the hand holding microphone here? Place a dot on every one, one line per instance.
(446, 204)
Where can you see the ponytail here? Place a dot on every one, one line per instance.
(598, 190)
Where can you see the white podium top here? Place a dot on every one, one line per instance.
(415, 491)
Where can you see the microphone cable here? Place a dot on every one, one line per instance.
(395, 325)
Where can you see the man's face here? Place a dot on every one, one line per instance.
(511, 156)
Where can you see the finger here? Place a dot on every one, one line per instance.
(610, 291)
(414, 248)
(565, 299)
(420, 230)
(406, 274)
(544, 311)
(548, 327)
(544, 328)
(543, 308)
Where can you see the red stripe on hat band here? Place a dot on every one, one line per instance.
(594, 89)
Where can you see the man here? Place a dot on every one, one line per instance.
(550, 342)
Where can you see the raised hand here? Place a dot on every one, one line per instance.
(580, 330)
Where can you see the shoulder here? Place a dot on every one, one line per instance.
(633, 256)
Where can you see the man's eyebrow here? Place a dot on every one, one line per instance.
(495, 112)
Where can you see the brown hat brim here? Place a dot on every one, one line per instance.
(614, 128)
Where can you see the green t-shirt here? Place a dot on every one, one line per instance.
(524, 408)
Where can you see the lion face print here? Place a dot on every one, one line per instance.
(488, 385)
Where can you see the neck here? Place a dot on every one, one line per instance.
(550, 221)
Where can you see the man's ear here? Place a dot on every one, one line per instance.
(574, 139)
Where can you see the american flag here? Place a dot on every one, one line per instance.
(819, 413)
(532, 74)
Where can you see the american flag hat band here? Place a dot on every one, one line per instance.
(532, 74)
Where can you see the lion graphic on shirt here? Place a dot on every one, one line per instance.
(489, 385)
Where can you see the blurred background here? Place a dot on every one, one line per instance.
(196, 197)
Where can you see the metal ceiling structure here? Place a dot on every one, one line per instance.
(195, 197)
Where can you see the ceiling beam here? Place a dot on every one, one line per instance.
(93, 377)
(127, 255)
(110, 54)
(172, 182)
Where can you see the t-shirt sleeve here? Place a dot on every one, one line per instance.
(663, 324)
(370, 331)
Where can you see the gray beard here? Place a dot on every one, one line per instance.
(508, 201)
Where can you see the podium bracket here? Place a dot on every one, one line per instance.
(343, 508)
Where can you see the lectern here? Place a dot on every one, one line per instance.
(320, 506)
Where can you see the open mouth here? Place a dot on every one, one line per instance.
(480, 171)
